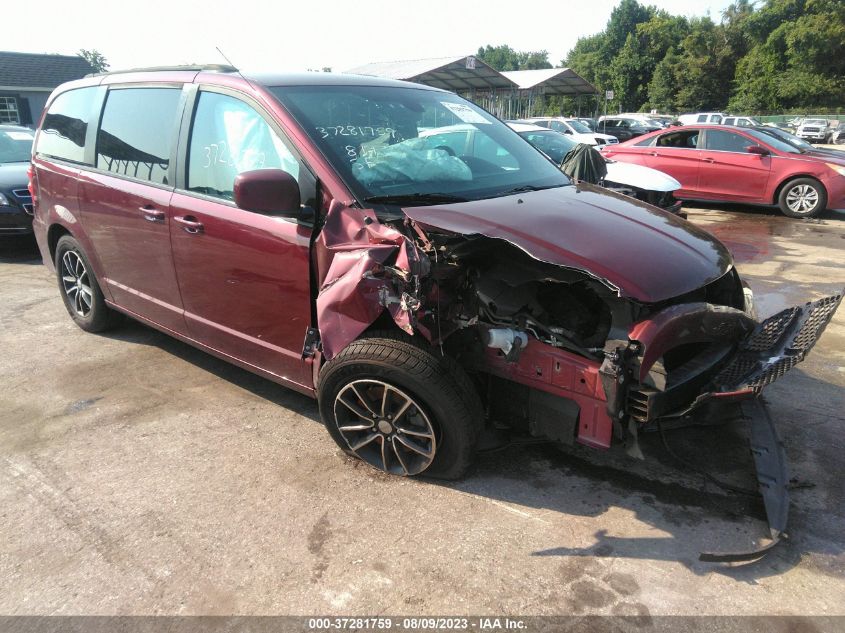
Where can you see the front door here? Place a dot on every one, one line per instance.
(124, 203)
(675, 153)
(729, 171)
(244, 277)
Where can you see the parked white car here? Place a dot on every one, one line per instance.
(814, 130)
(741, 121)
(701, 117)
(575, 129)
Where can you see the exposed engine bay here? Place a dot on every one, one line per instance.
(555, 349)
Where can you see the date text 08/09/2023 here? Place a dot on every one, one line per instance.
(416, 624)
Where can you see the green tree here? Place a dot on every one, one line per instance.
(797, 57)
(504, 58)
(95, 59)
(663, 86)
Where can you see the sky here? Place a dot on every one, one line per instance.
(257, 35)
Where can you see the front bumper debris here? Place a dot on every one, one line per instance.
(777, 345)
(772, 480)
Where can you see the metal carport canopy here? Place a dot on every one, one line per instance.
(457, 74)
(552, 81)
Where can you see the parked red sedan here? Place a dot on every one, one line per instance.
(717, 162)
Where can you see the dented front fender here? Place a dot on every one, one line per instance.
(369, 268)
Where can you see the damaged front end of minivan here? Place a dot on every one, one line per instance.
(566, 338)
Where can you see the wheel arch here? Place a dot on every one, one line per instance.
(54, 234)
(792, 177)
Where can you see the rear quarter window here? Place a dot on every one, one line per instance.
(65, 125)
(138, 131)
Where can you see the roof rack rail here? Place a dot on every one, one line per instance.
(219, 68)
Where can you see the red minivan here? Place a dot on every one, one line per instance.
(300, 227)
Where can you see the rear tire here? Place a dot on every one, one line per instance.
(401, 408)
(79, 288)
(802, 198)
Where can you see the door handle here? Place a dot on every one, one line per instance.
(708, 160)
(654, 154)
(189, 224)
(151, 214)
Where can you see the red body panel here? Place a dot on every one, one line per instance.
(683, 164)
(133, 246)
(245, 283)
(561, 373)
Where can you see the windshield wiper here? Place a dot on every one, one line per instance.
(417, 198)
(525, 188)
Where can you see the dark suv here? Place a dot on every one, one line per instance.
(624, 129)
(15, 199)
(302, 227)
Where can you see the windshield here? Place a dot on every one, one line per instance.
(815, 122)
(772, 138)
(15, 146)
(578, 126)
(553, 144)
(399, 142)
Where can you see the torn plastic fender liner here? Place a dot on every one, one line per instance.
(364, 267)
(772, 480)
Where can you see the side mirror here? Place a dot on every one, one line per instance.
(271, 191)
(568, 132)
(756, 149)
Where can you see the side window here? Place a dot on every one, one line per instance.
(730, 121)
(137, 132)
(702, 118)
(685, 139)
(229, 137)
(65, 125)
(648, 141)
(722, 141)
(715, 118)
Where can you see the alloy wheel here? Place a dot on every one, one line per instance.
(76, 283)
(802, 199)
(385, 427)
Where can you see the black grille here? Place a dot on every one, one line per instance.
(778, 344)
(771, 331)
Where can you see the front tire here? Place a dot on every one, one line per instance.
(79, 288)
(401, 408)
(802, 198)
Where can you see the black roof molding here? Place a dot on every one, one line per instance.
(219, 68)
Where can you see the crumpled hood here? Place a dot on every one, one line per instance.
(647, 254)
